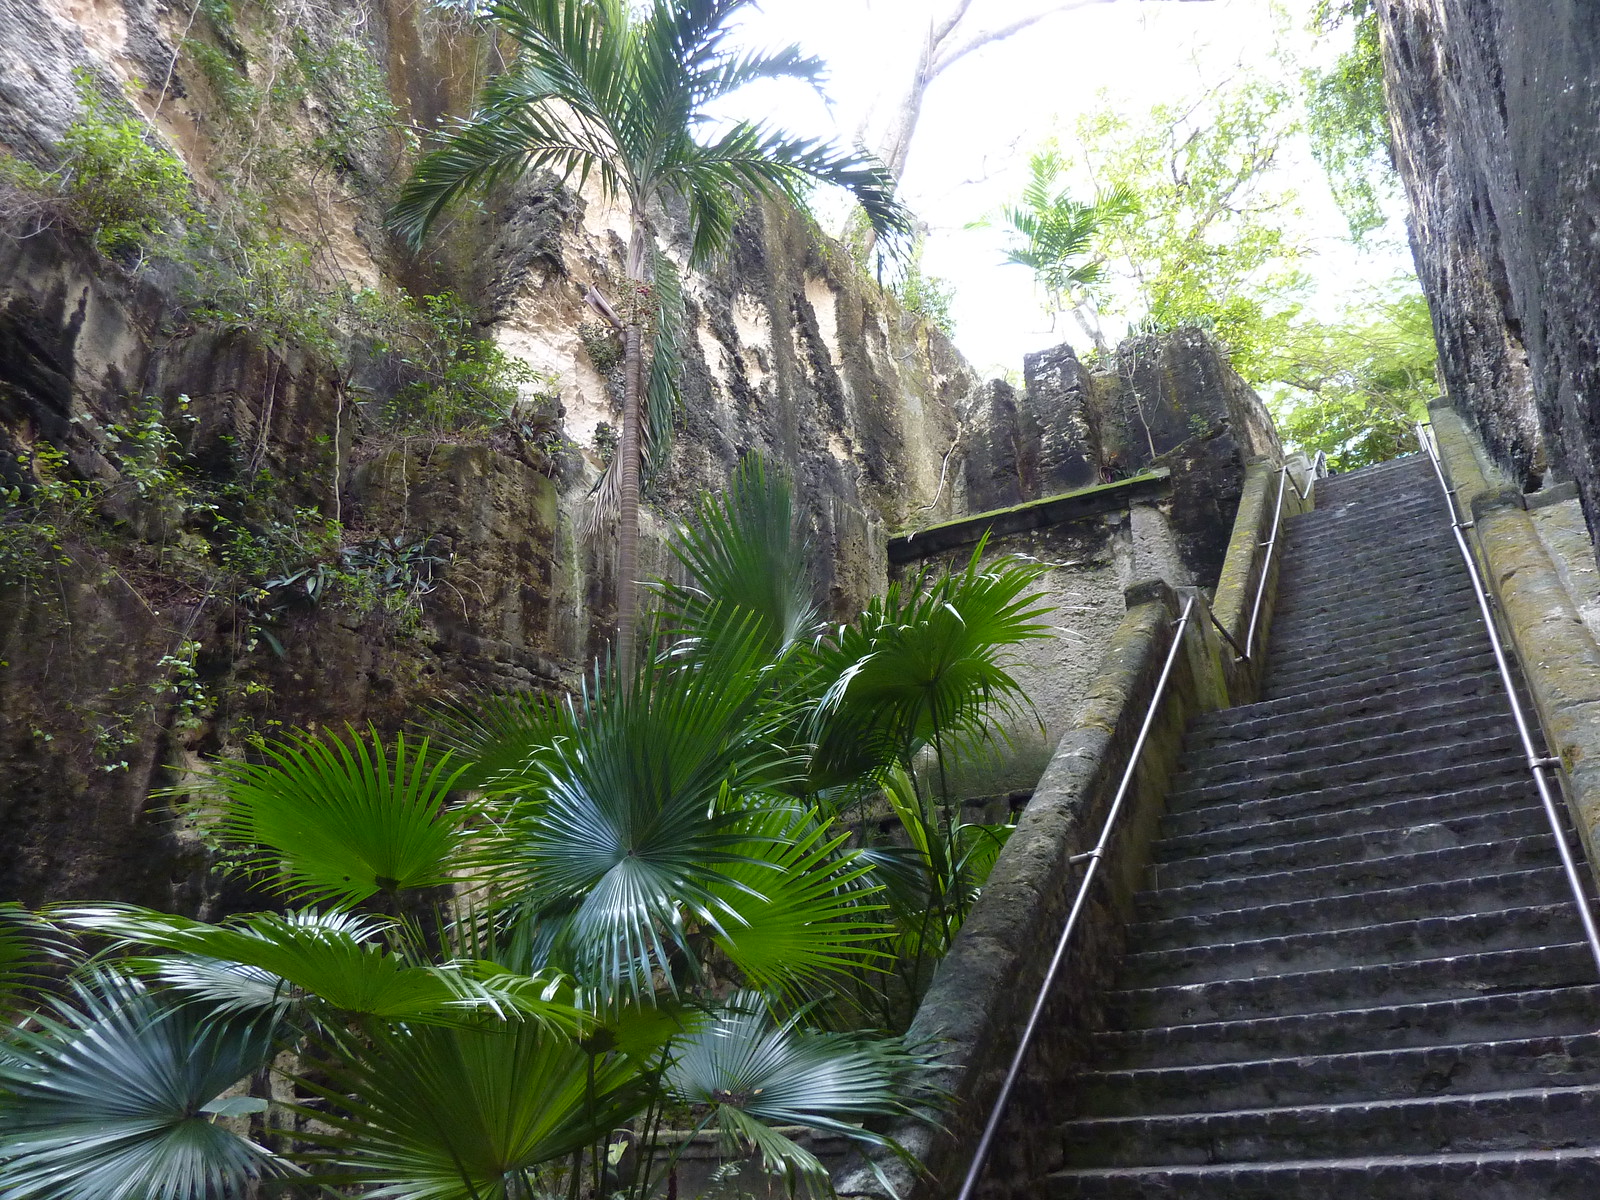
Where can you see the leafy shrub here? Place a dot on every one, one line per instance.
(123, 188)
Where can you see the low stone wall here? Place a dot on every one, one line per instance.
(1538, 580)
(986, 986)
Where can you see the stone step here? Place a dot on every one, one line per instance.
(1567, 1174)
(1367, 596)
(1372, 632)
(1407, 901)
(1295, 732)
(1188, 837)
(1385, 694)
(1312, 791)
(1261, 720)
(1356, 846)
(1396, 650)
(1489, 741)
(1403, 519)
(1461, 1068)
(1482, 1122)
(1496, 857)
(1307, 672)
(1414, 940)
(1367, 560)
(1377, 986)
(1537, 1013)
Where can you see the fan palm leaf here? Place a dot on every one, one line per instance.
(750, 1073)
(431, 1113)
(111, 1095)
(340, 820)
(269, 960)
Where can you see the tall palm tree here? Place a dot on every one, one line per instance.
(598, 90)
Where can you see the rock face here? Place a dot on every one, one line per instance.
(1495, 110)
(120, 657)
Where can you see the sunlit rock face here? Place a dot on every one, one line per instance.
(791, 353)
(1495, 110)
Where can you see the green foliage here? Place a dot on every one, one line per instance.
(123, 187)
(602, 344)
(1347, 115)
(450, 379)
(340, 819)
(1355, 389)
(37, 516)
(923, 295)
(1053, 235)
(114, 1093)
(1201, 237)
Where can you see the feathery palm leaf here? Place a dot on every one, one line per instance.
(342, 819)
(111, 1096)
(430, 1113)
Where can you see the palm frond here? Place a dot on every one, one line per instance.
(803, 906)
(339, 820)
(498, 735)
(745, 552)
(331, 958)
(428, 1113)
(111, 1096)
(755, 1073)
(617, 837)
(27, 946)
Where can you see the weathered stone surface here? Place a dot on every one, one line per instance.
(1495, 110)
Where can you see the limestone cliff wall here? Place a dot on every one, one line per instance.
(125, 654)
(1495, 108)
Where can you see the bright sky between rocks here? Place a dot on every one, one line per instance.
(984, 116)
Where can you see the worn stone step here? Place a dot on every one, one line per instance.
(1376, 986)
(1496, 857)
(1440, 897)
(1188, 837)
(1293, 733)
(1335, 605)
(1312, 562)
(1399, 777)
(1310, 682)
(1407, 519)
(1540, 1012)
(1297, 639)
(1412, 940)
(1560, 1060)
(1298, 633)
(1386, 644)
(1253, 721)
(1568, 1174)
(1440, 833)
(1385, 694)
(1485, 740)
(1487, 1121)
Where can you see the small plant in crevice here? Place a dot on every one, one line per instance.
(115, 180)
(602, 345)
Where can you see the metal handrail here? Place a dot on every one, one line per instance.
(1319, 470)
(1093, 858)
(1538, 763)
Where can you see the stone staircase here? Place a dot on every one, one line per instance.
(1358, 973)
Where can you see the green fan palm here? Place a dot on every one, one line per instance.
(605, 89)
(750, 1073)
(113, 1094)
(431, 1113)
(341, 820)
(926, 665)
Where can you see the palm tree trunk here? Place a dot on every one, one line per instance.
(630, 446)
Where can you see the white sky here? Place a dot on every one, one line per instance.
(986, 114)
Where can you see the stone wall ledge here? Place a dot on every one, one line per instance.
(1560, 660)
(1036, 514)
